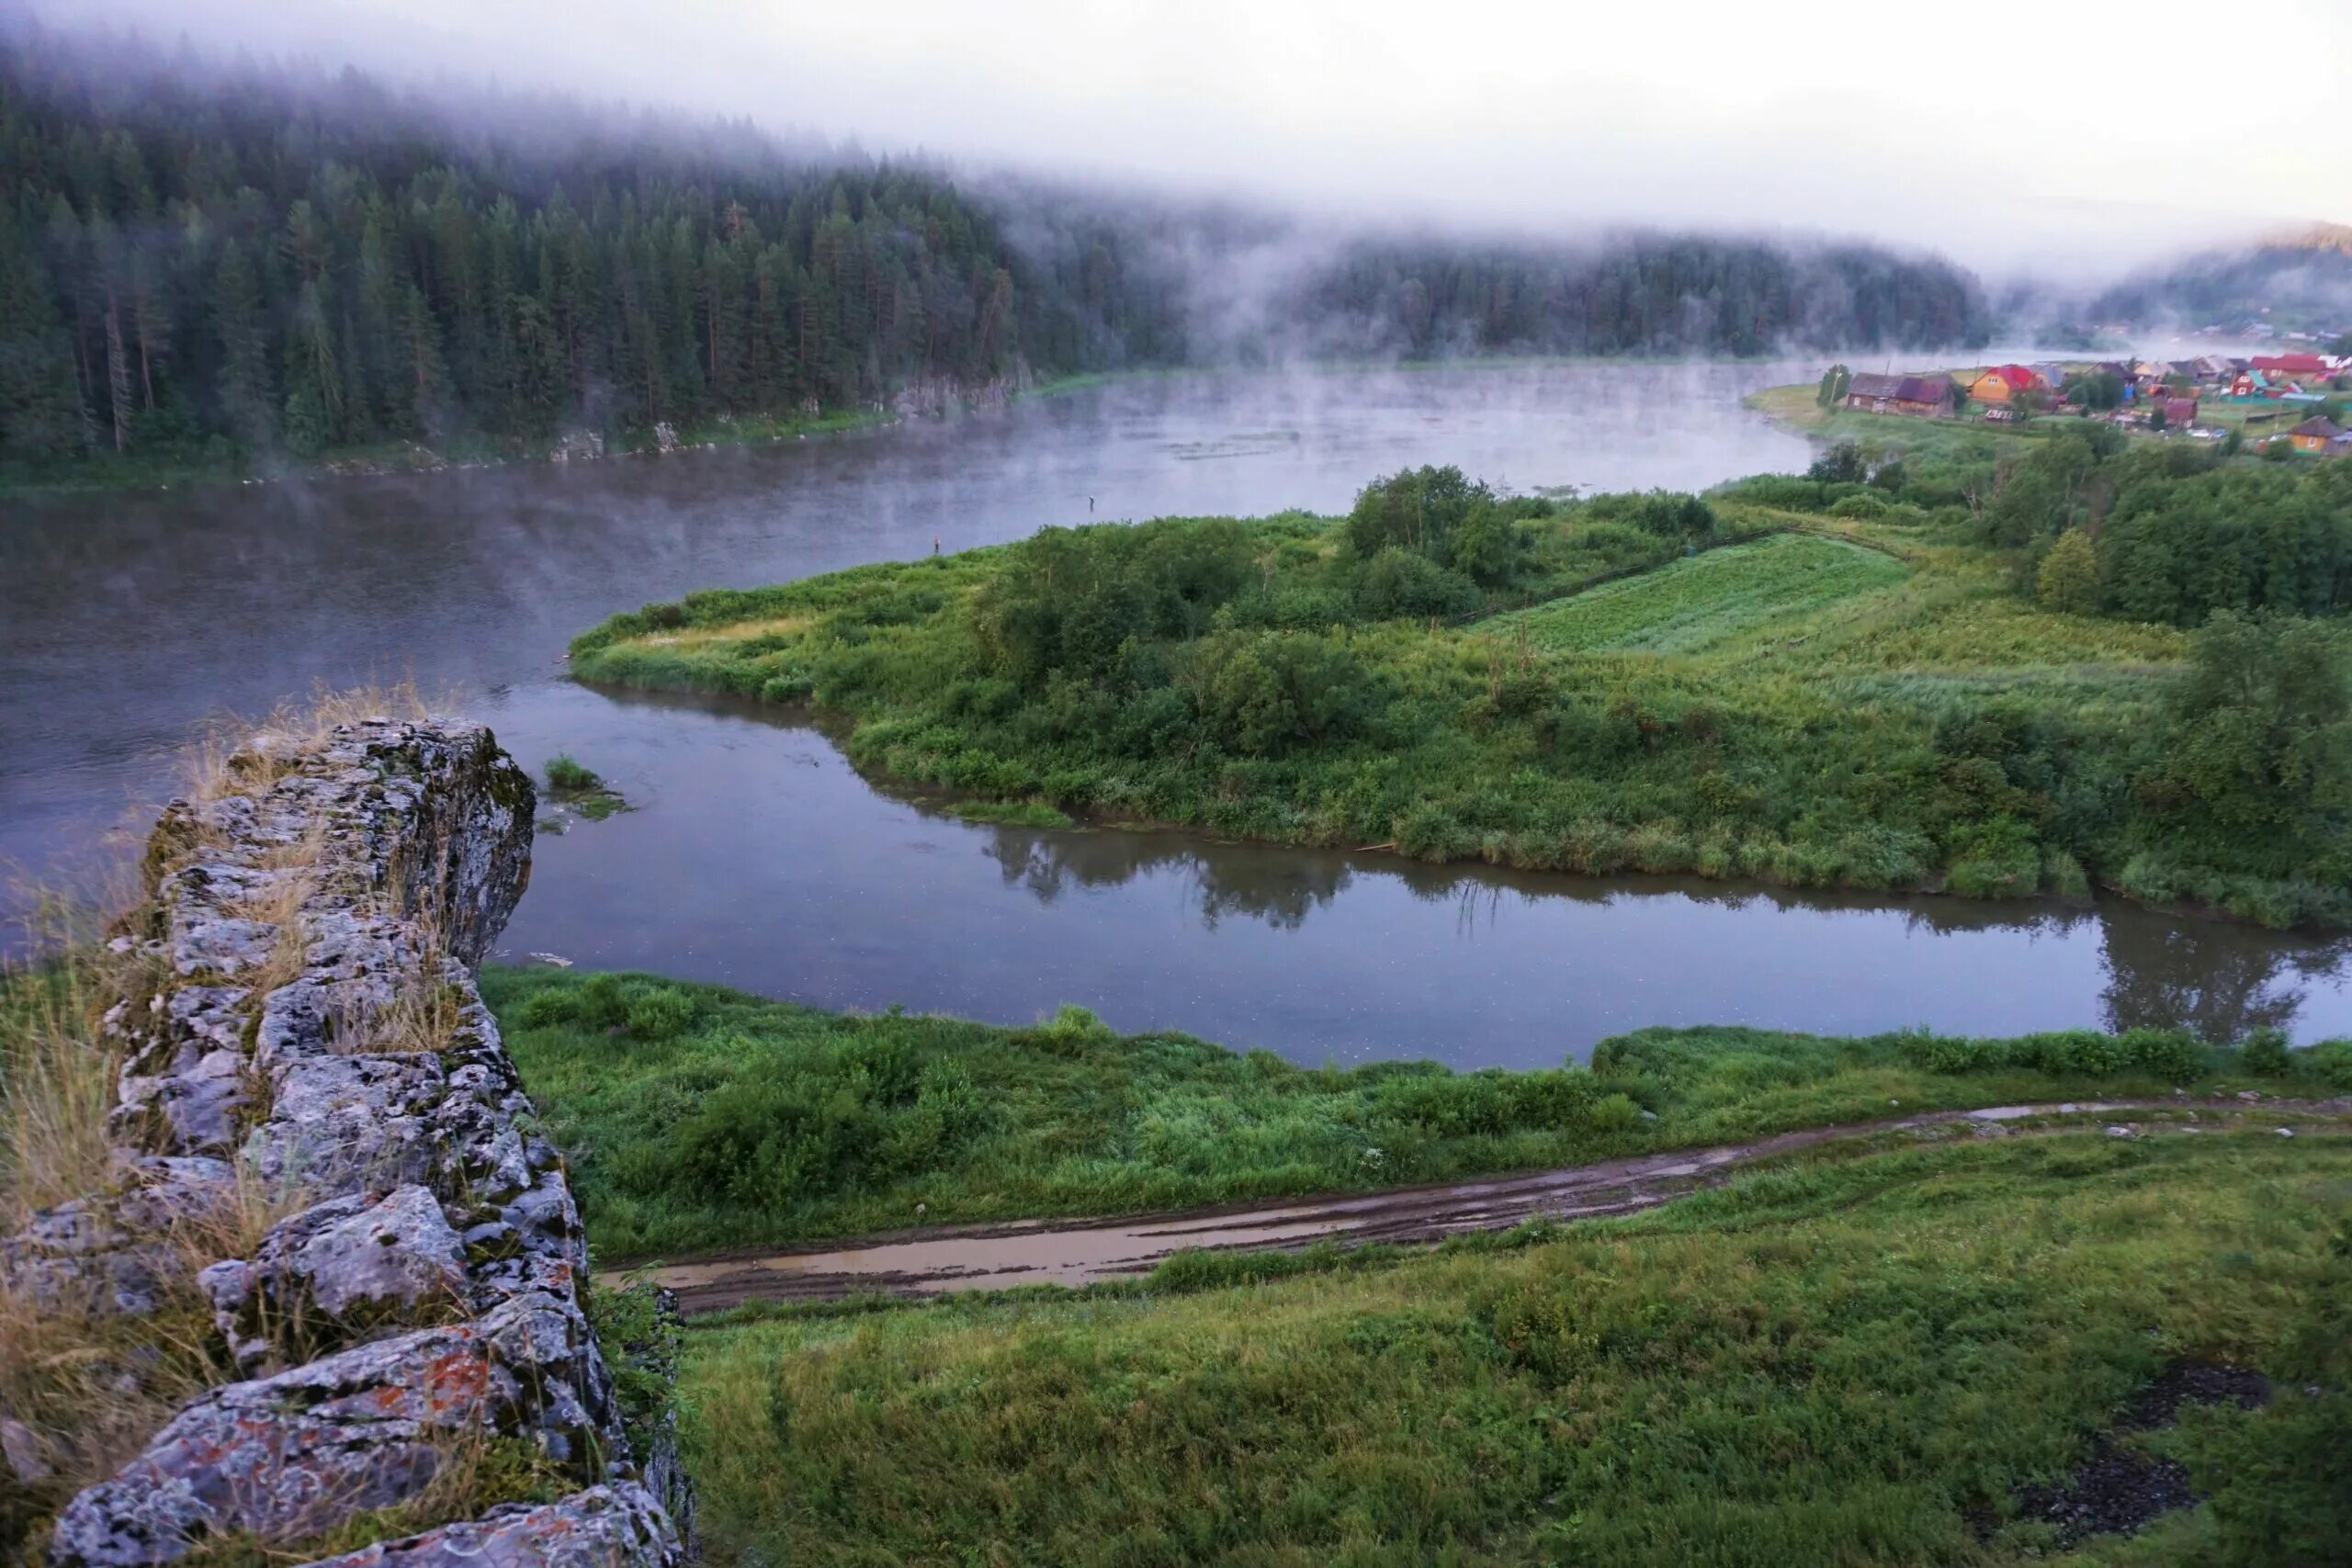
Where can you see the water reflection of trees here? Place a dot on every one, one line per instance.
(1278, 888)
(2218, 978)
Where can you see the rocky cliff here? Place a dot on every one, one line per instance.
(410, 1326)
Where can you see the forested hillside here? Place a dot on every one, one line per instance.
(222, 266)
(1651, 294)
(2295, 282)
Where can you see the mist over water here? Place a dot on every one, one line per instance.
(759, 858)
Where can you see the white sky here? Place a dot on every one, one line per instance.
(2046, 135)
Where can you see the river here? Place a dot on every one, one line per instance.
(758, 857)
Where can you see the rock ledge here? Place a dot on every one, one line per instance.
(317, 1037)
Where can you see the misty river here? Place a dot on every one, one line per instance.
(757, 857)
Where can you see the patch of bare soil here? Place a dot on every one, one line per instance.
(2121, 1488)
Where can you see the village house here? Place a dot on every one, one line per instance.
(1998, 386)
(2314, 435)
(2179, 413)
(1927, 395)
(1871, 392)
(2278, 365)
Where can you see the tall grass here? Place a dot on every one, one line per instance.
(1840, 1360)
(85, 1387)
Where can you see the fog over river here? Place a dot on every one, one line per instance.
(759, 858)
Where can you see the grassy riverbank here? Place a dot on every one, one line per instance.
(1873, 702)
(700, 1118)
(1850, 1358)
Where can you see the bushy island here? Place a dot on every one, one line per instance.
(1922, 1347)
(1989, 665)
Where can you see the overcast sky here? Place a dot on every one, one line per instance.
(2046, 135)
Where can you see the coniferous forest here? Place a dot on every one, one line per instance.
(231, 265)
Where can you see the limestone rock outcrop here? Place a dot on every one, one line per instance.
(313, 1041)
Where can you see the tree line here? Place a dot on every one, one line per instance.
(1645, 294)
(229, 265)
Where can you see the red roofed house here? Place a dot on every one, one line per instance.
(2180, 412)
(2003, 382)
(2291, 364)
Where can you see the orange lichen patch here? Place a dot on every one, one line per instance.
(456, 1380)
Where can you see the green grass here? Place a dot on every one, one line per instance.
(1708, 599)
(699, 1118)
(1011, 813)
(1840, 1360)
(572, 783)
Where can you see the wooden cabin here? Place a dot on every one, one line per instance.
(1997, 387)
(2314, 434)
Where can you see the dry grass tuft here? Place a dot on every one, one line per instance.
(237, 755)
(84, 1390)
(424, 1009)
(57, 1085)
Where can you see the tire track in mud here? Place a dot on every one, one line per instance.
(943, 1258)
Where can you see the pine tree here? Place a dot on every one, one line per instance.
(246, 396)
(38, 418)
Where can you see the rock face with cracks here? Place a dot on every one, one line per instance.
(316, 1044)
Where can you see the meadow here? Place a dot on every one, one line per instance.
(1700, 601)
(1849, 1357)
(699, 1118)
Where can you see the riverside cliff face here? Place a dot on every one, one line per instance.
(311, 1033)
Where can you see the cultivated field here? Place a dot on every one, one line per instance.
(1708, 599)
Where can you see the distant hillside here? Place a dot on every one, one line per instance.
(220, 266)
(2300, 281)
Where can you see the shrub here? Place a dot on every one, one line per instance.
(1841, 464)
(2330, 1061)
(1396, 582)
(1258, 693)
(646, 1009)
(1417, 510)
(569, 776)
(2171, 1055)
(2067, 579)
(660, 1013)
(2264, 1054)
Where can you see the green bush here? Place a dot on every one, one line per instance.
(2172, 1055)
(569, 776)
(2330, 1061)
(2264, 1054)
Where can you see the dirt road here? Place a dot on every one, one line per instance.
(1074, 1252)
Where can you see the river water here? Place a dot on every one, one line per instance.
(759, 858)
